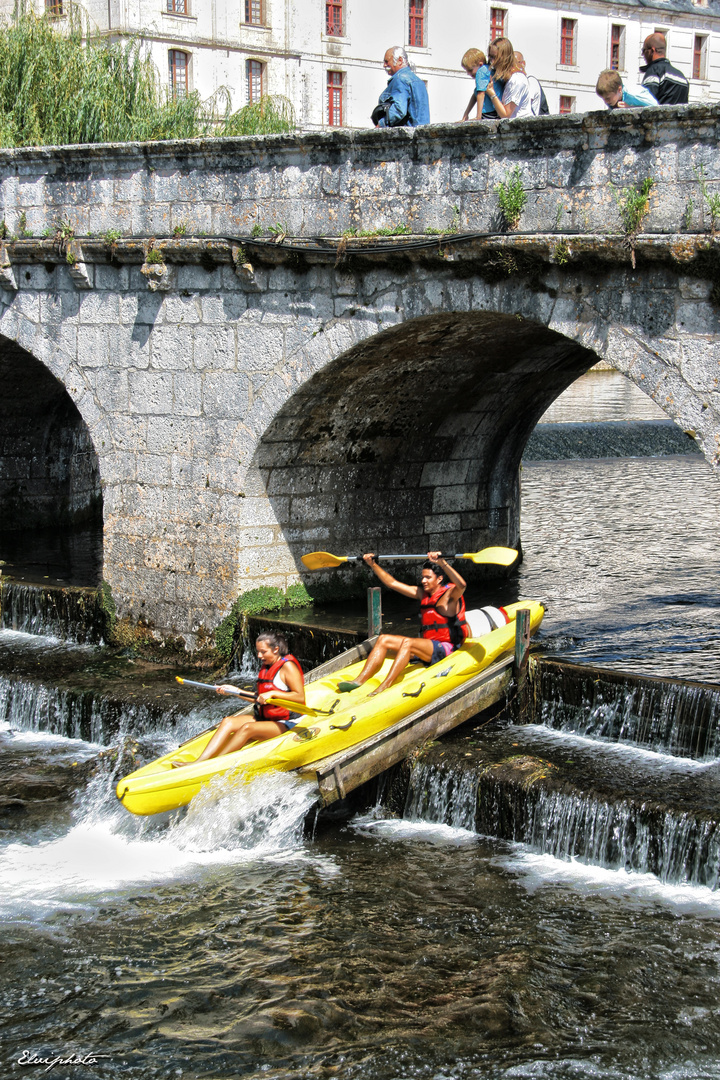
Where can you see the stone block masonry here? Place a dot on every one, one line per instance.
(250, 397)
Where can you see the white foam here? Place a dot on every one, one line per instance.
(537, 871)
(619, 749)
(427, 832)
(47, 738)
(109, 851)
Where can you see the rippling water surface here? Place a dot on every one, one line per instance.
(232, 943)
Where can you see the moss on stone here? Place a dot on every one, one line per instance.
(265, 599)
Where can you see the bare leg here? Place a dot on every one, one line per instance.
(410, 649)
(233, 733)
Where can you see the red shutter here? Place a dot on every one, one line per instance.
(567, 41)
(335, 98)
(615, 46)
(334, 18)
(417, 24)
(497, 23)
(566, 104)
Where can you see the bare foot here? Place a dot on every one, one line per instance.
(181, 764)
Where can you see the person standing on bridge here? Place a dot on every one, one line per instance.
(404, 101)
(516, 98)
(444, 627)
(668, 85)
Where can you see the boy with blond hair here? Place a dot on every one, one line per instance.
(475, 64)
(616, 96)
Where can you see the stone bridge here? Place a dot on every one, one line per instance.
(205, 360)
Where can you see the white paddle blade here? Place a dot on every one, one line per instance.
(322, 560)
(497, 556)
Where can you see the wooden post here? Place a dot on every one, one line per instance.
(374, 611)
(522, 654)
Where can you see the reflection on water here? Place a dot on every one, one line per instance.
(625, 554)
(602, 396)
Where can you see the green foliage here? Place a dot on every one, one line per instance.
(512, 197)
(154, 257)
(561, 253)
(23, 230)
(634, 205)
(180, 229)
(256, 229)
(688, 214)
(112, 236)
(107, 606)
(72, 86)
(258, 601)
(711, 201)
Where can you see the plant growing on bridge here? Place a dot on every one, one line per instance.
(634, 206)
(712, 201)
(512, 197)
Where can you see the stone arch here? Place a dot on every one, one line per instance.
(412, 439)
(49, 471)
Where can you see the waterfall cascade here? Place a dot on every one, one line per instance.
(613, 770)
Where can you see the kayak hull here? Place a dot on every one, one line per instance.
(352, 718)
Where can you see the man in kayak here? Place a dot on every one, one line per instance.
(280, 673)
(442, 610)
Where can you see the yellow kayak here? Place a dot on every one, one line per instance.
(342, 721)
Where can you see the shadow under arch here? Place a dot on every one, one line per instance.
(412, 440)
(51, 512)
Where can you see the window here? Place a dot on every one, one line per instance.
(255, 77)
(567, 105)
(334, 18)
(497, 22)
(617, 48)
(568, 42)
(335, 98)
(54, 7)
(254, 14)
(178, 72)
(416, 36)
(700, 57)
(178, 7)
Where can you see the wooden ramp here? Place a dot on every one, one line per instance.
(337, 775)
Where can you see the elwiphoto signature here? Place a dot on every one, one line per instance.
(28, 1057)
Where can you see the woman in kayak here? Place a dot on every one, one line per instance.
(280, 673)
(442, 610)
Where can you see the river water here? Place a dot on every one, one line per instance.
(235, 943)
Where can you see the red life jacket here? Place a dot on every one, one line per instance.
(439, 627)
(265, 685)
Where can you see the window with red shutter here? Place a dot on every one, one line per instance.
(567, 105)
(497, 23)
(699, 55)
(334, 18)
(568, 35)
(617, 48)
(335, 98)
(254, 77)
(417, 24)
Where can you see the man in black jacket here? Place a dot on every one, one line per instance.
(664, 82)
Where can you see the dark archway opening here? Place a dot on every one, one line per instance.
(51, 518)
(412, 441)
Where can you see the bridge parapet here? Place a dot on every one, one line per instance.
(436, 177)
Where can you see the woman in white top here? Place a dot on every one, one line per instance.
(516, 97)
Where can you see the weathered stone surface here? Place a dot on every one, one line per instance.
(268, 398)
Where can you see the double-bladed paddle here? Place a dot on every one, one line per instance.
(497, 556)
(274, 699)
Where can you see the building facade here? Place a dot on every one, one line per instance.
(325, 56)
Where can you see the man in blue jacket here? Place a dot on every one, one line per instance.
(404, 101)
